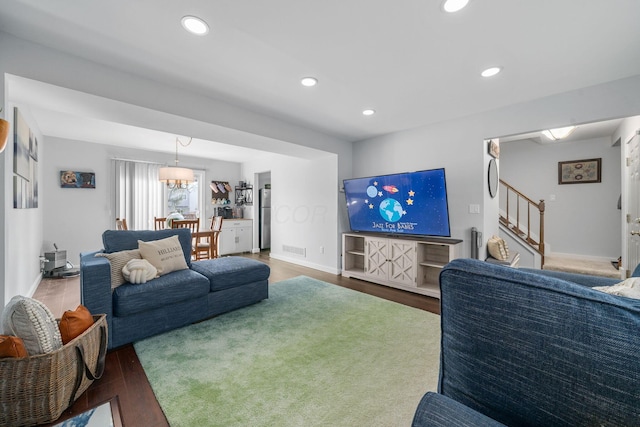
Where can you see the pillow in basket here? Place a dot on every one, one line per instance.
(12, 347)
(32, 321)
(74, 323)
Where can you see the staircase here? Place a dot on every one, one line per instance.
(523, 217)
(523, 220)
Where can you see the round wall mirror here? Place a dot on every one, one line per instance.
(493, 178)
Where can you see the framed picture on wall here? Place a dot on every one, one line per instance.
(73, 179)
(25, 164)
(21, 135)
(494, 148)
(580, 171)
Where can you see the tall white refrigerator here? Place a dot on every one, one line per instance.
(265, 218)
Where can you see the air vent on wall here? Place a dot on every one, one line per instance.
(294, 250)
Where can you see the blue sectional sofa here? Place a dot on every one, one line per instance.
(525, 348)
(205, 289)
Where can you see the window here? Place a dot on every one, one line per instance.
(188, 201)
(139, 196)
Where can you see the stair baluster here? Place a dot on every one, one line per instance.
(515, 227)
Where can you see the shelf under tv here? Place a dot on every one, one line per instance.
(411, 263)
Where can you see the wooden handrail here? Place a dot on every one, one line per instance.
(524, 233)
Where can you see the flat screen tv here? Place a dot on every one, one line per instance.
(411, 203)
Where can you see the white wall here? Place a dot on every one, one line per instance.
(23, 228)
(457, 145)
(584, 218)
(303, 209)
(90, 211)
(440, 146)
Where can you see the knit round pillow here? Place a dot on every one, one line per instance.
(139, 271)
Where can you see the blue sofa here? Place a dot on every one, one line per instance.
(135, 311)
(524, 348)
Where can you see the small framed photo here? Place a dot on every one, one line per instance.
(494, 148)
(580, 171)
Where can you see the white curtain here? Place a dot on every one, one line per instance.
(139, 196)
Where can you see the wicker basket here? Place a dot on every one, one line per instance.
(36, 390)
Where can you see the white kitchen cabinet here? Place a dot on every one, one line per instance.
(236, 236)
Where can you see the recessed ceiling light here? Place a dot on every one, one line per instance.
(195, 25)
(454, 5)
(309, 81)
(368, 112)
(490, 72)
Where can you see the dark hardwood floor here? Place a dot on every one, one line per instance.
(124, 376)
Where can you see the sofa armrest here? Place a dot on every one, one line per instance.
(95, 284)
(580, 279)
(437, 410)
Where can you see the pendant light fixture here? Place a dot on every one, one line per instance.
(175, 176)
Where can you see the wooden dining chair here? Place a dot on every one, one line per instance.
(121, 224)
(207, 247)
(194, 226)
(216, 227)
(159, 223)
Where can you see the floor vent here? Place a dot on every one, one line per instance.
(294, 250)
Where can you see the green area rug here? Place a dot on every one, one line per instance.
(313, 354)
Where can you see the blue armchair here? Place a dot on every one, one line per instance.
(527, 349)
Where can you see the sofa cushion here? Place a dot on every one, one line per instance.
(164, 254)
(229, 272)
(529, 349)
(118, 260)
(436, 410)
(122, 240)
(32, 321)
(164, 291)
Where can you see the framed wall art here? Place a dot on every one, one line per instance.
(25, 164)
(494, 148)
(580, 171)
(73, 179)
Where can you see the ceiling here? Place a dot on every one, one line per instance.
(603, 129)
(407, 59)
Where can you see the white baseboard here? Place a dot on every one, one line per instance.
(303, 263)
(579, 257)
(34, 286)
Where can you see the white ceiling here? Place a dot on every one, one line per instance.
(407, 59)
(605, 128)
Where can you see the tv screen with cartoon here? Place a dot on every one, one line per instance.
(412, 203)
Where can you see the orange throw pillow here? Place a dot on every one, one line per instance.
(11, 346)
(74, 323)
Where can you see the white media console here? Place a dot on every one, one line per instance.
(409, 263)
